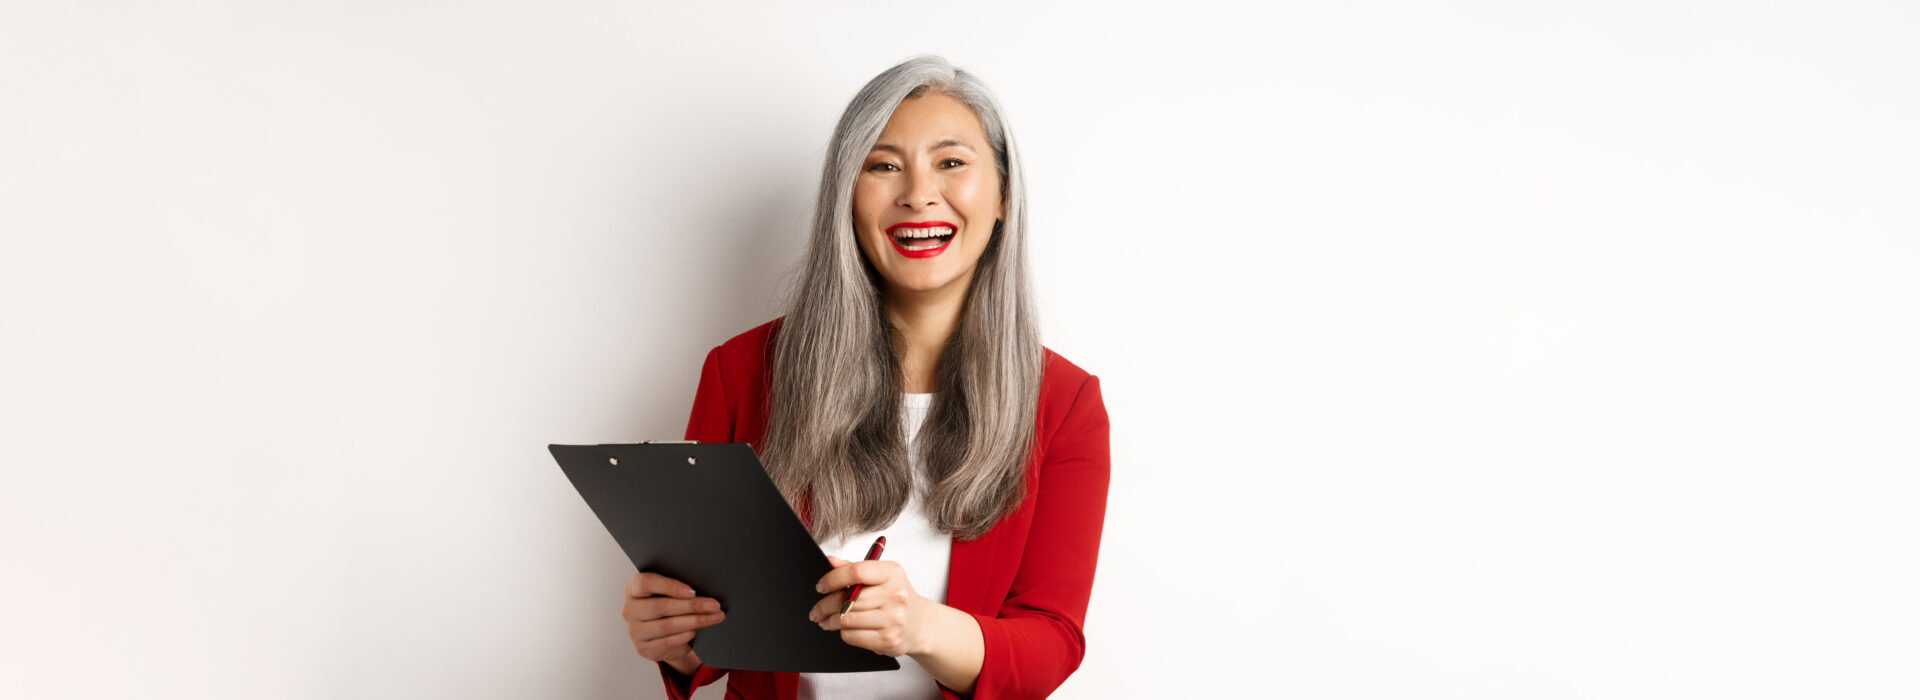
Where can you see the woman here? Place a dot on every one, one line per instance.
(906, 393)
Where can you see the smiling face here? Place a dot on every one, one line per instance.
(927, 198)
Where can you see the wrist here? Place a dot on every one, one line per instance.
(934, 617)
(685, 665)
(949, 646)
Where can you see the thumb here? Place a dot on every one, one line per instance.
(837, 562)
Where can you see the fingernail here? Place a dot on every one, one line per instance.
(709, 605)
(813, 616)
(687, 592)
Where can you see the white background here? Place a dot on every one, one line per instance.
(1504, 351)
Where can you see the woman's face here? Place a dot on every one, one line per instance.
(931, 172)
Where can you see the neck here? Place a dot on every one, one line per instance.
(925, 320)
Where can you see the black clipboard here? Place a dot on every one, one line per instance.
(709, 516)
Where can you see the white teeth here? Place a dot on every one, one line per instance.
(923, 232)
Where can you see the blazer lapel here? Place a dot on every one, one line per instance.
(969, 568)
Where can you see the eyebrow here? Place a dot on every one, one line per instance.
(943, 143)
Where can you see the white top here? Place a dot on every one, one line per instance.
(922, 551)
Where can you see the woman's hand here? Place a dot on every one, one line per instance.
(662, 614)
(888, 617)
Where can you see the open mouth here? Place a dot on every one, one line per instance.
(922, 239)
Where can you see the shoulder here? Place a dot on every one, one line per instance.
(741, 368)
(734, 382)
(1060, 374)
(1067, 390)
(753, 339)
(749, 352)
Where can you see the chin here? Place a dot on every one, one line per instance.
(919, 285)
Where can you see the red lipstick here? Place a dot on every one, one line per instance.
(928, 252)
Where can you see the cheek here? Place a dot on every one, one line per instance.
(864, 217)
(978, 198)
(866, 195)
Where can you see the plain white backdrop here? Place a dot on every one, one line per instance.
(1508, 350)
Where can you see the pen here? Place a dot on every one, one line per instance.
(872, 554)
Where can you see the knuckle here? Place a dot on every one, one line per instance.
(661, 648)
(651, 630)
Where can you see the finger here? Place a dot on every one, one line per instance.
(665, 648)
(669, 626)
(829, 605)
(864, 614)
(646, 583)
(877, 641)
(654, 607)
(868, 619)
(866, 573)
(871, 597)
(837, 562)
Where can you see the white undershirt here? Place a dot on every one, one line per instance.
(922, 550)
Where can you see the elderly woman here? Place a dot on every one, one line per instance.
(906, 393)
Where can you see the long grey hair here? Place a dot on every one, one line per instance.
(834, 434)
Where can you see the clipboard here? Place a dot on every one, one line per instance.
(709, 516)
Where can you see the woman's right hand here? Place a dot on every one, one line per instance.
(662, 614)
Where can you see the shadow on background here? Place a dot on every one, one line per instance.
(751, 249)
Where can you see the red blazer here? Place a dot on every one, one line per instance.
(1026, 580)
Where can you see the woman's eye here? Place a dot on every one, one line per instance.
(956, 162)
(881, 166)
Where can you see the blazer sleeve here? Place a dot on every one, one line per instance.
(712, 421)
(1034, 642)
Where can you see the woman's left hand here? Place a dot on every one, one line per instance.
(888, 617)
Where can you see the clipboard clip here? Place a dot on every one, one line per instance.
(615, 461)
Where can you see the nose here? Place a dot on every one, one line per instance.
(921, 191)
